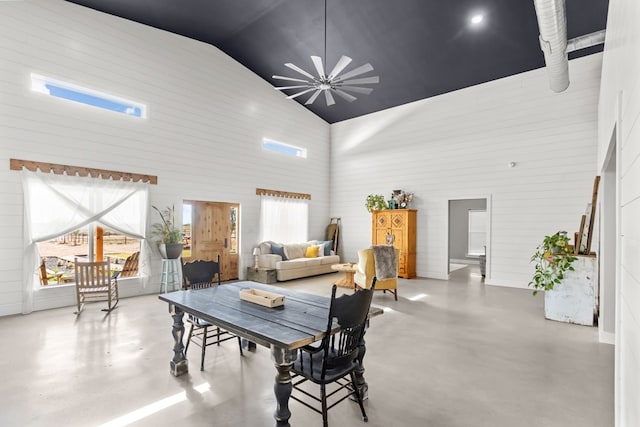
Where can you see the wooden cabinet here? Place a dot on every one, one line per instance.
(398, 225)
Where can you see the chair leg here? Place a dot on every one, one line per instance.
(204, 348)
(186, 347)
(395, 294)
(218, 336)
(240, 346)
(356, 391)
(323, 397)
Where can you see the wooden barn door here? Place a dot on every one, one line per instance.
(214, 231)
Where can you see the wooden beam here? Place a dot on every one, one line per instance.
(594, 199)
(17, 164)
(578, 239)
(286, 194)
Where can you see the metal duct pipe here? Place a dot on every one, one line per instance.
(552, 22)
(588, 40)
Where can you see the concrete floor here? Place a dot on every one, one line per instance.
(459, 354)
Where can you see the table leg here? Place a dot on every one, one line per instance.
(283, 360)
(178, 365)
(349, 277)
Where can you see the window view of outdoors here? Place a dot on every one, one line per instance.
(233, 220)
(58, 255)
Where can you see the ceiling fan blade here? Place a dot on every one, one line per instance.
(365, 80)
(290, 87)
(299, 70)
(345, 95)
(365, 90)
(342, 63)
(329, 97)
(289, 78)
(313, 97)
(356, 71)
(295, 95)
(317, 62)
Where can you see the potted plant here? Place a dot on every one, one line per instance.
(166, 234)
(375, 202)
(552, 258)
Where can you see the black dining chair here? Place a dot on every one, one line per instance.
(200, 275)
(335, 360)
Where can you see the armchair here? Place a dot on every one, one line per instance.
(366, 270)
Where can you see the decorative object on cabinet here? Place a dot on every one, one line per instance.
(402, 199)
(375, 202)
(399, 227)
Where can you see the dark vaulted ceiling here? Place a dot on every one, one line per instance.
(419, 48)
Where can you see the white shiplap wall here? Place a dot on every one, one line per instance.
(620, 109)
(459, 145)
(207, 117)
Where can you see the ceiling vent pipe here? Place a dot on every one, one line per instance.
(552, 21)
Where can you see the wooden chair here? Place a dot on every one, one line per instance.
(200, 275)
(366, 271)
(94, 282)
(47, 276)
(130, 267)
(336, 359)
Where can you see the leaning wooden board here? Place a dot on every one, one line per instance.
(594, 199)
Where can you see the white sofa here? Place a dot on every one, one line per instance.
(296, 265)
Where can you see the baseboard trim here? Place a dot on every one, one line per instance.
(465, 261)
(606, 337)
(504, 285)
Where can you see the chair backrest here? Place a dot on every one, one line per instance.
(130, 267)
(44, 277)
(201, 274)
(92, 274)
(351, 313)
(366, 270)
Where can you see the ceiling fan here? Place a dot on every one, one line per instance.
(331, 83)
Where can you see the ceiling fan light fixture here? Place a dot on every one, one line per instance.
(328, 83)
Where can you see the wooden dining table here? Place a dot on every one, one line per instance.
(302, 320)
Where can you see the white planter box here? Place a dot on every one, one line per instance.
(574, 300)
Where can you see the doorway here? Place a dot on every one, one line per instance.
(212, 230)
(468, 235)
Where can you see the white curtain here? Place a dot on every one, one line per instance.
(58, 204)
(284, 220)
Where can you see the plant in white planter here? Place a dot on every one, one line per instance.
(552, 258)
(166, 234)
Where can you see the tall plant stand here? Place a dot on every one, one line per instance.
(170, 275)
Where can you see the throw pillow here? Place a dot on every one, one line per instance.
(321, 246)
(328, 244)
(295, 250)
(312, 251)
(278, 250)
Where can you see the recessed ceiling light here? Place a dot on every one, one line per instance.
(476, 19)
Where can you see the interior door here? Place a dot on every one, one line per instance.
(215, 232)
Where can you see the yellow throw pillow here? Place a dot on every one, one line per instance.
(312, 252)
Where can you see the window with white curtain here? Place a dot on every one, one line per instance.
(284, 220)
(70, 207)
(477, 232)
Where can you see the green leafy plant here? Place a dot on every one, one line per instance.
(166, 232)
(552, 258)
(375, 202)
